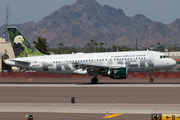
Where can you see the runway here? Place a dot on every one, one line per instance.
(71, 116)
(87, 81)
(135, 100)
(134, 95)
(90, 108)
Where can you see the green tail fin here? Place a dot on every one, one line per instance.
(21, 46)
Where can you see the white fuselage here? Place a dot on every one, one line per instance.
(135, 61)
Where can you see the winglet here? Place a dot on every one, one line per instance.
(21, 46)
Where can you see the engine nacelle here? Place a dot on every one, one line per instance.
(80, 72)
(118, 73)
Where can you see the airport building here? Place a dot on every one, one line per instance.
(6, 52)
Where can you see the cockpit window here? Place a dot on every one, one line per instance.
(163, 56)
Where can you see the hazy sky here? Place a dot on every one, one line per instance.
(22, 11)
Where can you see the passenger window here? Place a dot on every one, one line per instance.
(160, 57)
(164, 56)
(53, 61)
(122, 58)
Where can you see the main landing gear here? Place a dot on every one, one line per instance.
(94, 80)
(151, 79)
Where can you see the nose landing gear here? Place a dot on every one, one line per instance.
(151, 79)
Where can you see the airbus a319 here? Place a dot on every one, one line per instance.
(115, 65)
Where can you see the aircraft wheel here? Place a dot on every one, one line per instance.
(94, 80)
(151, 80)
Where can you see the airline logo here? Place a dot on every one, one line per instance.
(130, 63)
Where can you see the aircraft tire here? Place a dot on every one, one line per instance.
(94, 80)
(151, 80)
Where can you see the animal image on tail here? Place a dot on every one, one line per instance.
(21, 46)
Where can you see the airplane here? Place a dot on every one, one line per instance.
(115, 65)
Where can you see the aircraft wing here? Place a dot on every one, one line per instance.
(96, 66)
(83, 64)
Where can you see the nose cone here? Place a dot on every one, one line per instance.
(172, 62)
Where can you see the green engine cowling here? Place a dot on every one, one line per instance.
(118, 73)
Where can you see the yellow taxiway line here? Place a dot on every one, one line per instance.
(113, 115)
(30, 79)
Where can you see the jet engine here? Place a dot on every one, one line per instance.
(118, 73)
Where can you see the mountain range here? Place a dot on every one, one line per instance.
(77, 24)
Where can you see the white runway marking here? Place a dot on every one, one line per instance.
(90, 85)
(90, 108)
